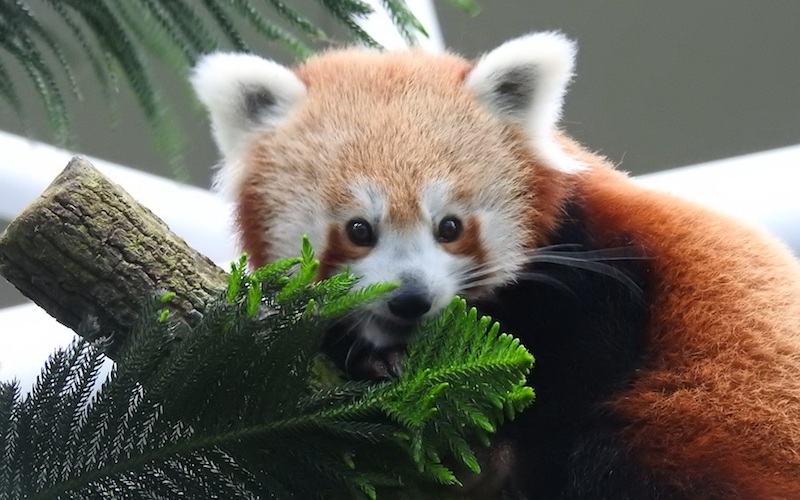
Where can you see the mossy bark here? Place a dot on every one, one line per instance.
(91, 256)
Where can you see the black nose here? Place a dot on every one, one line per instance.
(410, 303)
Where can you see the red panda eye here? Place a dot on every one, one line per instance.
(449, 229)
(360, 233)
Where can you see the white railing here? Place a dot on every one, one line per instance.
(763, 188)
(28, 167)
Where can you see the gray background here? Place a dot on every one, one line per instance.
(660, 84)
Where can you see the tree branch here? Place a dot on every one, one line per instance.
(92, 256)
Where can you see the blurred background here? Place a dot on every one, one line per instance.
(659, 84)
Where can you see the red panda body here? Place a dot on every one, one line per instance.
(690, 390)
(667, 337)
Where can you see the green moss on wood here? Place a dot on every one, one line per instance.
(86, 250)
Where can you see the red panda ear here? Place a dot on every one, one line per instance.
(243, 93)
(524, 81)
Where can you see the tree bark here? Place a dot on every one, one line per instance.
(92, 256)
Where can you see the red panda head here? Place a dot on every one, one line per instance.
(425, 169)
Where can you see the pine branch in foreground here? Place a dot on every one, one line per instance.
(235, 409)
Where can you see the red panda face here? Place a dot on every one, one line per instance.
(405, 167)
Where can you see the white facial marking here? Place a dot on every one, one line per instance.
(371, 203)
(413, 252)
(410, 253)
(436, 201)
(244, 94)
(524, 81)
(404, 253)
(307, 216)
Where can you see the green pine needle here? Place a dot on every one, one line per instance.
(471, 7)
(120, 40)
(238, 409)
(298, 20)
(404, 19)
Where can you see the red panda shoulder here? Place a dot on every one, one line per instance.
(719, 394)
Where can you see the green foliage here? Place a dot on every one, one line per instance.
(471, 7)
(236, 408)
(118, 39)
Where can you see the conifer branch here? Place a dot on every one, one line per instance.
(121, 39)
(237, 408)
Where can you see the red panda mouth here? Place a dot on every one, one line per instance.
(376, 345)
(388, 330)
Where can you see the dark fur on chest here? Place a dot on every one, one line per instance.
(585, 324)
(585, 328)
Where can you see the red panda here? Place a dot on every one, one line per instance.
(667, 337)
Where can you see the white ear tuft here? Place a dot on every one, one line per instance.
(524, 81)
(243, 93)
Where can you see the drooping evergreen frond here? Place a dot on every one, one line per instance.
(88, 50)
(7, 90)
(18, 32)
(404, 19)
(298, 20)
(344, 11)
(120, 40)
(235, 408)
(471, 7)
(270, 30)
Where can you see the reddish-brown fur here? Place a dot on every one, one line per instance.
(338, 252)
(719, 395)
(253, 214)
(470, 242)
(407, 148)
